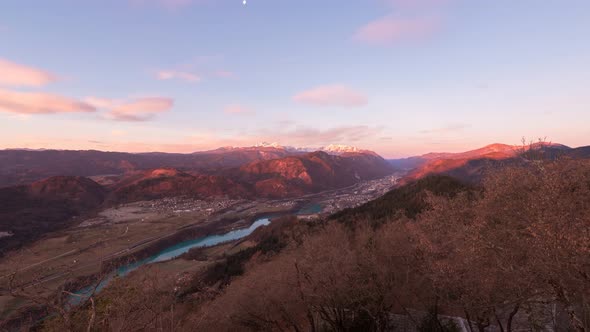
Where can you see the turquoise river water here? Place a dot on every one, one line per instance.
(168, 254)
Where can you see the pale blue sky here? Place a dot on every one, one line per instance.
(401, 77)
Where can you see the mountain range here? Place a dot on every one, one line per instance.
(26, 166)
(471, 165)
(43, 190)
(267, 169)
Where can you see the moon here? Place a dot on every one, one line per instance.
(244, 2)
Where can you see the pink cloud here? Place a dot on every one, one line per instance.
(389, 30)
(237, 109)
(151, 138)
(141, 109)
(101, 102)
(40, 103)
(181, 75)
(332, 95)
(204, 139)
(307, 136)
(17, 75)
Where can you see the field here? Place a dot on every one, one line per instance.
(126, 230)
(116, 232)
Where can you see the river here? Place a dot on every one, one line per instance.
(168, 254)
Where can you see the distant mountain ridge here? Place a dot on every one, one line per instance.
(471, 165)
(26, 166)
(29, 211)
(335, 149)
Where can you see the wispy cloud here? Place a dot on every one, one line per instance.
(40, 103)
(202, 139)
(141, 109)
(187, 73)
(180, 75)
(28, 103)
(238, 109)
(18, 75)
(206, 140)
(390, 30)
(306, 136)
(409, 20)
(332, 95)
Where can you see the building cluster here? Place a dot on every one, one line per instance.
(359, 194)
(180, 205)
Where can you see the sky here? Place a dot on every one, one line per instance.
(400, 77)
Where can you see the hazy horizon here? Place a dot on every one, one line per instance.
(311, 149)
(400, 77)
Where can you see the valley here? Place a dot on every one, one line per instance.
(294, 166)
(30, 210)
(132, 231)
(192, 233)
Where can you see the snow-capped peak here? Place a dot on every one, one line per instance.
(333, 149)
(269, 145)
(339, 148)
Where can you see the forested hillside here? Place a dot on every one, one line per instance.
(509, 255)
